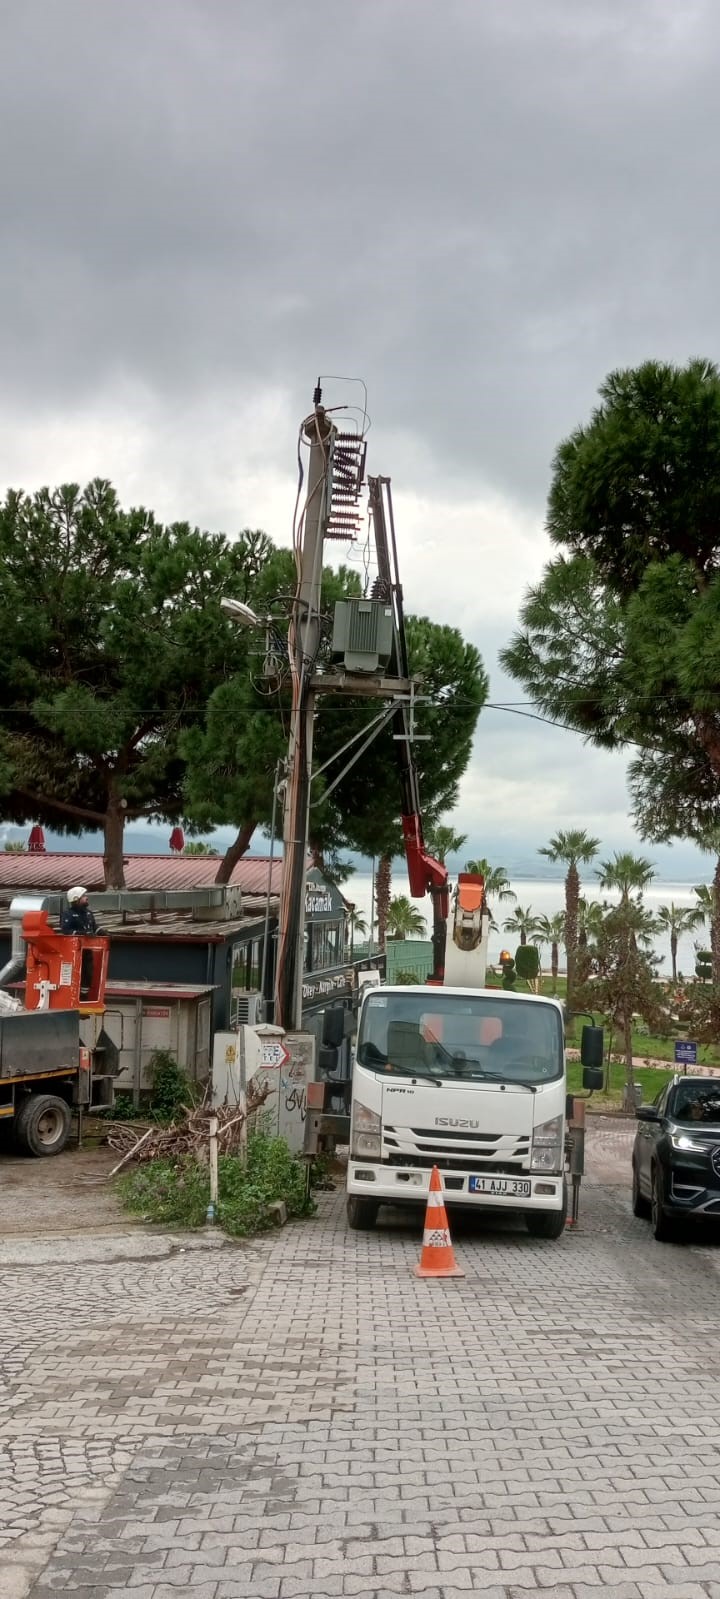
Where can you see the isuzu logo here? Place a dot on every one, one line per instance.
(454, 1121)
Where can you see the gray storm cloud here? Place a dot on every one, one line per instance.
(479, 208)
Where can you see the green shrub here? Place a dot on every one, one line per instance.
(177, 1192)
(171, 1089)
(527, 962)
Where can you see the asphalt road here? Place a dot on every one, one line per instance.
(305, 1417)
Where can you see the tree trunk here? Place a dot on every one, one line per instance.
(673, 955)
(554, 964)
(629, 1079)
(114, 831)
(235, 852)
(383, 884)
(523, 936)
(715, 927)
(572, 901)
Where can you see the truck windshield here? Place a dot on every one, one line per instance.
(437, 1035)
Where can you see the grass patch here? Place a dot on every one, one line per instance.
(651, 1081)
(177, 1192)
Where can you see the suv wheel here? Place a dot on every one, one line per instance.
(640, 1206)
(663, 1226)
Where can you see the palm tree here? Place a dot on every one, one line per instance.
(200, 848)
(574, 848)
(711, 846)
(522, 922)
(551, 930)
(497, 882)
(404, 919)
(627, 873)
(356, 923)
(590, 919)
(443, 841)
(383, 880)
(676, 920)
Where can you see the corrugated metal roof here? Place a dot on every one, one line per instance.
(62, 871)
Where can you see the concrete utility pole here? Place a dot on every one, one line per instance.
(303, 642)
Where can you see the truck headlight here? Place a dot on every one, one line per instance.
(547, 1146)
(366, 1139)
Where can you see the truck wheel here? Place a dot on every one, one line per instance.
(361, 1213)
(547, 1223)
(42, 1125)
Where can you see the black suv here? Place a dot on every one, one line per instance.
(676, 1155)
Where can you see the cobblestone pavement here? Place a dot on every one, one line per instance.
(305, 1417)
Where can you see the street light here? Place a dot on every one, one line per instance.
(238, 612)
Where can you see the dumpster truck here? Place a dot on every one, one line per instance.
(55, 1057)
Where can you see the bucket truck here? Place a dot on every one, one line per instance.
(454, 1074)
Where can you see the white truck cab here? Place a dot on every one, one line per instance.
(471, 1080)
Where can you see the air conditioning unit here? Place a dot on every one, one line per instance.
(248, 1007)
(362, 634)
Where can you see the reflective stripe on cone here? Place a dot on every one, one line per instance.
(438, 1256)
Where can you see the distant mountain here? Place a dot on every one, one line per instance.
(674, 863)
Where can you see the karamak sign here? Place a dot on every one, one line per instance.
(318, 901)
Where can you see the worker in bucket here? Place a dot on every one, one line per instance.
(78, 917)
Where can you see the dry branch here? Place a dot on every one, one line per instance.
(189, 1135)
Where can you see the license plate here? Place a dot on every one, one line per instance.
(510, 1187)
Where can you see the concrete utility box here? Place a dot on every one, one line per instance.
(362, 634)
(284, 1061)
(143, 1017)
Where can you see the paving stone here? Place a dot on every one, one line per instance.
(344, 1429)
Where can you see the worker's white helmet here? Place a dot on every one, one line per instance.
(74, 894)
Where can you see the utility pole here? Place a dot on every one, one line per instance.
(303, 642)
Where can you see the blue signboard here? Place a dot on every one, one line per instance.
(685, 1052)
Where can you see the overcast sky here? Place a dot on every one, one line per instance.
(479, 208)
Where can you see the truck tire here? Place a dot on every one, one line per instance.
(42, 1125)
(361, 1213)
(547, 1223)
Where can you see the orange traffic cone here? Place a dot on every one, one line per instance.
(438, 1256)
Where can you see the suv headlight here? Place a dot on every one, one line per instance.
(366, 1137)
(684, 1141)
(547, 1146)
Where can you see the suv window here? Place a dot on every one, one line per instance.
(696, 1100)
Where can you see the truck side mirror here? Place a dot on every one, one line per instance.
(592, 1054)
(592, 1047)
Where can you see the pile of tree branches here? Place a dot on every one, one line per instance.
(189, 1134)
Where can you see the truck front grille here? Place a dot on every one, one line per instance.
(456, 1149)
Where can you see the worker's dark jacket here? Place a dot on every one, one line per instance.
(78, 919)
